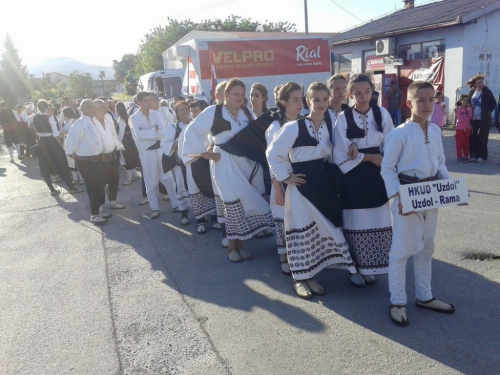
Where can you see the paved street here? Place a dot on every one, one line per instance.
(139, 296)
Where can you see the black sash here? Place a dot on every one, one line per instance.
(363, 186)
(320, 188)
(251, 143)
(169, 162)
(200, 169)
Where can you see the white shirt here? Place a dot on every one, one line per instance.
(143, 129)
(84, 138)
(405, 151)
(166, 116)
(280, 153)
(109, 137)
(373, 137)
(169, 138)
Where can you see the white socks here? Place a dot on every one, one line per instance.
(11, 153)
(129, 174)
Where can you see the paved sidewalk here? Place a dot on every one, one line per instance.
(140, 296)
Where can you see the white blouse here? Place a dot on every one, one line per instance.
(169, 138)
(109, 137)
(280, 153)
(373, 137)
(198, 132)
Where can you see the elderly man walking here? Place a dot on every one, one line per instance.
(85, 144)
(147, 131)
(109, 156)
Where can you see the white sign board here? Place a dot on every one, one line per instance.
(433, 194)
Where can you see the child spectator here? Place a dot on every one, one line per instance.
(463, 112)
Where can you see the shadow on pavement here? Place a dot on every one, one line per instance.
(467, 341)
(197, 267)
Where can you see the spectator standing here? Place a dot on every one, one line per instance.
(394, 103)
(483, 103)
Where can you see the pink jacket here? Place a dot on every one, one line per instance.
(464, 115)
(438, 116)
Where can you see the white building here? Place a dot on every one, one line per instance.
(445, 42)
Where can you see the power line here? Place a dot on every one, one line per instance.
(345, 10)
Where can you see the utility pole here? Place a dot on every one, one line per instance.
(305, 13)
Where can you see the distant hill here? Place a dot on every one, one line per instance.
(66, 65)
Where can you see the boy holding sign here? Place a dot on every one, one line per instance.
(413, 152)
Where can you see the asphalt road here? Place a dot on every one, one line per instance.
(140, 296)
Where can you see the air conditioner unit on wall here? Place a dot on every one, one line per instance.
(385, 46)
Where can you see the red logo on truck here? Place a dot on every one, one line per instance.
(255, 58)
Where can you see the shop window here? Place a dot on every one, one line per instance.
(425, 50)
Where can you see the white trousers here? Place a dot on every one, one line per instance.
(413, 235)
(152, 171)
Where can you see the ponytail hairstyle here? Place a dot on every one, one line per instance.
(122, 112)
(357, 78)
(263, 90)
(277, 92)
(284, 94)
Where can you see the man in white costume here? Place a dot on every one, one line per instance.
(413, 153)
(148, 130)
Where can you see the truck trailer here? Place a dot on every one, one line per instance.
(266, 60)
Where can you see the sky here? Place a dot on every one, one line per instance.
(97, 31)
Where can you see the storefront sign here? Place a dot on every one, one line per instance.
(374, 63)
(433, 194)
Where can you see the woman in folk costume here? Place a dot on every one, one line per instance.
(300, 155)
(358, 140)
(170, 145)
(69, 117)
(289, 102)
(130, 154)
(258, 99)
(51, 154)
(238, 181)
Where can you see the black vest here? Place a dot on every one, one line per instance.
(41, 124)
(353, 131)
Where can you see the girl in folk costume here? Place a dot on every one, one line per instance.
(359, 136)
(130, 154)
(170, 147)
(258, 99)
(238, 181)
(51, 155)
(337, 85)
(69, 117)
(299, 156)
(202, 200)
(289, 102)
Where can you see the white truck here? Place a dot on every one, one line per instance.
(267, 60)
(164, 81)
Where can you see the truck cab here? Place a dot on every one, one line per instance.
(164, 81)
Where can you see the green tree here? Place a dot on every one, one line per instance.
(80, 84)
(160, 38)
(14, 83)
(102, 74)
(123, 67)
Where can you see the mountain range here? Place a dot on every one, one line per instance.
(67, 65)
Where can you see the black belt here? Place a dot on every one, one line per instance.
(405, 179)
(156, 146)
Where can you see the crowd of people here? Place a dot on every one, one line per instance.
(318, 180)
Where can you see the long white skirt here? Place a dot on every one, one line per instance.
(202, 206)
(312, 241)
(369, 235)
(239, 187)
